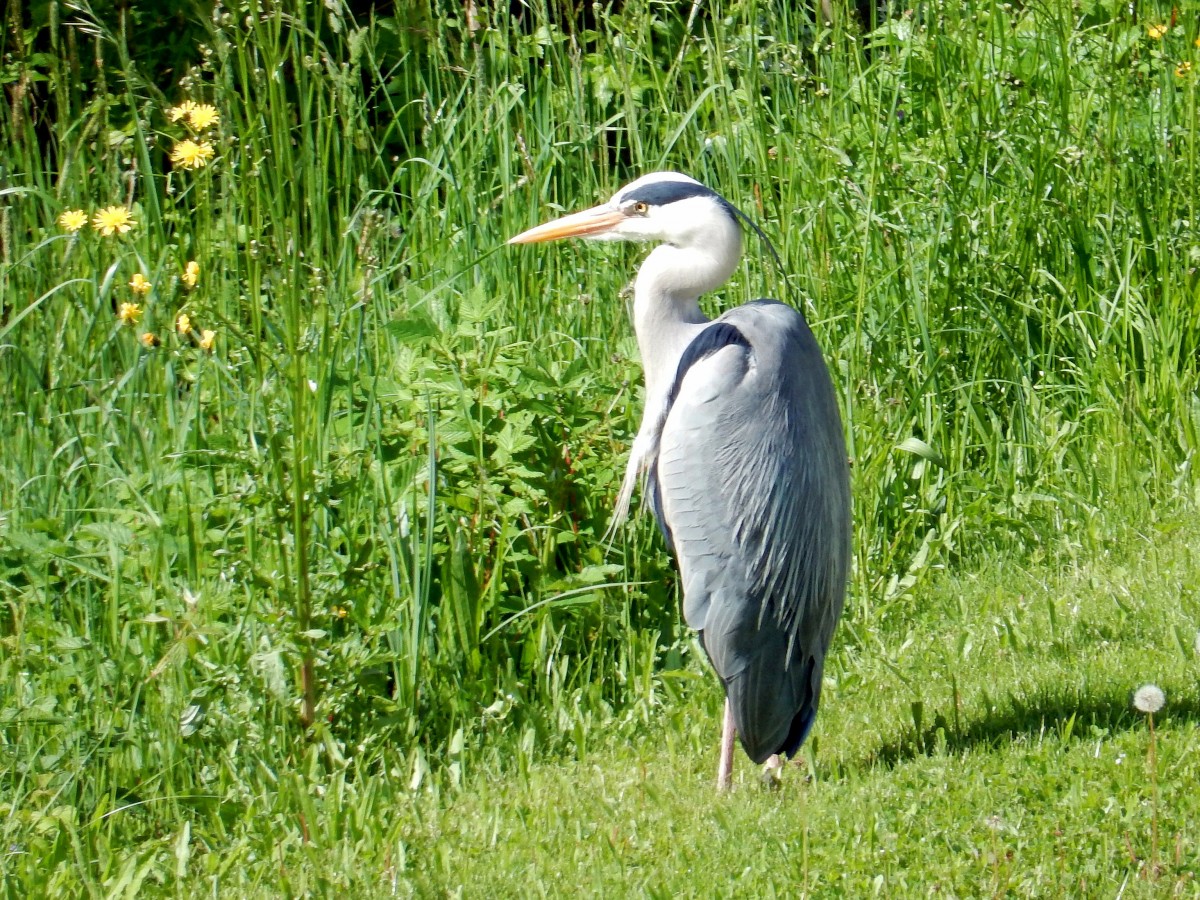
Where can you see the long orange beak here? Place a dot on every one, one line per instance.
(596, 220)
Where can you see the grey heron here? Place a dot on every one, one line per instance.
(742, 456)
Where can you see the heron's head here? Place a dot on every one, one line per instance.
(663, 206)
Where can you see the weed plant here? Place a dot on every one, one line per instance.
(305, 473)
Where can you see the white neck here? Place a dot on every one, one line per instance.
(667, 317)
(666, 307)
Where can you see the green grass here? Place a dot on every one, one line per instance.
(326, 601)
(1027, 777)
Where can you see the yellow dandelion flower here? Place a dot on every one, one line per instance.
(129, 313)
(1156, 32)
(139, 284)
(1182, 69)
(203, 115)
(183, 324)
(191, 273)
(113, 220)
(149, 340)
(192, 155)
(207, 338)
(1198, 42)
(73, 219)
(184, 109)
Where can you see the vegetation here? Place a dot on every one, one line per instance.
(305, 473)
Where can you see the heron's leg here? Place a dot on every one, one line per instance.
(725, 767)
(772, 773)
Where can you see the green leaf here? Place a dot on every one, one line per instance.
(413, 330)
(918, 447)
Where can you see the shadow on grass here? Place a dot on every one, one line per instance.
(1067, 716)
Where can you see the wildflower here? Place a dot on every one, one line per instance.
(1182, 69)
(149, 340)
(1071, 154)
(207, 338)
(203, 115)
(191, 273)
(183, 324)
(129, 313)
(192, 155)
(73, 219)
(139, 284)
(113, 220)
(184, 109)
(1156, 32)
(1149, 699)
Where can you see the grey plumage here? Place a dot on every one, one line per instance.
(742, 450)
(752, 476)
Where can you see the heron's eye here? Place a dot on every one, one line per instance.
(641, 208)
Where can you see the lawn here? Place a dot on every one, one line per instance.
(985, 746)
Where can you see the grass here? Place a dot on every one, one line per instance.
(1024, 773)
(312, 594)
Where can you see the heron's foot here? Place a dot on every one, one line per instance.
(772, 773)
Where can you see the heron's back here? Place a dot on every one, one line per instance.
(751, 485)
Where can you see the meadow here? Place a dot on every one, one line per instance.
(305, 472)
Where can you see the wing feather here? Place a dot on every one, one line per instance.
(751, 483)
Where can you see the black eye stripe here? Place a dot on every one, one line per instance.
(660, 193)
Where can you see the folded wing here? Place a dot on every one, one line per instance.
(751, 487)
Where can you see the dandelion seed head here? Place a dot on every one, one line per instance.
(73, 219)
(1149, 699)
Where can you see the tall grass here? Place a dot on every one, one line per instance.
(362, 529)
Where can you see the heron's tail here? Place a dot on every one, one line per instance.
(773, 709)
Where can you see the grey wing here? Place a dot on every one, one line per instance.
(751, 485)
